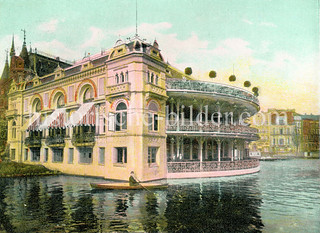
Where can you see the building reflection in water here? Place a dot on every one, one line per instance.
(64, 204)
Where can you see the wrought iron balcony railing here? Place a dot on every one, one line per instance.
(32, 141)
(55, 140)
(208, 166)
(85, 138)
(210, 87)
(209, 127)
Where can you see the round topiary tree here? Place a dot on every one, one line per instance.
(255, 89)
(247, 84)
(256, 94)
(232, 78)
(212, 74)
(188, 70)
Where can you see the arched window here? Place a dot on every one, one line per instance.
(148, 76)
(152, 77)
(153, 117)
(14, 130)
(60, 101)
(122, 77)
(127, 76)
(157, 79)
(117, 78)
(88, 95)
(121, 117)
(37, 105)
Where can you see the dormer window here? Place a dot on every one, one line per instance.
(120, 50)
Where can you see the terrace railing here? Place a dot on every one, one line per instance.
(208, 166)
(209, 127)
(210, 87)
(85, 139)
(32, 141)
(55, 140)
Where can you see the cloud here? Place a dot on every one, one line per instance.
(97, 35)
(247, 21)
(268, 24)
(49, 27)
(57, 48)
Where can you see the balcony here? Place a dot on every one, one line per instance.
(33, 141)
(83, 140)
(11, 113)
(203, 128)
(55, 141)
(194, 86)
(118, 90)
(155, 90)
(211, 166)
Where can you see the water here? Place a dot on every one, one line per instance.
(283, 197)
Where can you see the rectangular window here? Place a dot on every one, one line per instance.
(153, 122)
(57, 155)
(101, 155)
(26, 151)
(46, 99)
(121, 153)
(101, 86)
(85, 155)
(70, 155)
(13, 154)
(288, 141)
(46, 154)
(35, 154)
(152, 154)
(281, 131)
(70, 93)
(281, 141)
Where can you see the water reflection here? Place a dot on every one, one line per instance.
(67, 204)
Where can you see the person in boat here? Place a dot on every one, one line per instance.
(133, 181)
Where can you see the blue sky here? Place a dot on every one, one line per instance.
(273, 44)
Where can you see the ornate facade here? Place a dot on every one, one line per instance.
(126, 109)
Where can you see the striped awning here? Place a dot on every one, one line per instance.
(85, 115)
(34, 122)
(55, 120)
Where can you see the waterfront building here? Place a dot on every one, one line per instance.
(277, 132)
(23, 69)
(126, 109)
(307, 135)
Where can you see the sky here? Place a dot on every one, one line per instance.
(274, 44)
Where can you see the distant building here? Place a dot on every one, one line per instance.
(22, 70)
(307, 134)
(276, 131)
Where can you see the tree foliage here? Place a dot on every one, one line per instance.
(212, 74)
(188, 70)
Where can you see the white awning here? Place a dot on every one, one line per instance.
(85, 115)
(55, 120)
(33, 123)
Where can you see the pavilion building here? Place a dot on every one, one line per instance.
(126, 109)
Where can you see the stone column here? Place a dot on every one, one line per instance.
(182, 148)
(178, 147)
(178, 113)
(191, 148)
(231, 149)
(219, 150)
(171, 148)
(206, 147)
(200, 141)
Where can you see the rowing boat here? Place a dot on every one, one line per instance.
(127, 186)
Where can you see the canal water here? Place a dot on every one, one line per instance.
(283, 197)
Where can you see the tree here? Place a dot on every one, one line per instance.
(212, 74)
(232, 78)
(188, 70)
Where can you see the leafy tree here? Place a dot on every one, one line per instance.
(188, 70)
(212, 74)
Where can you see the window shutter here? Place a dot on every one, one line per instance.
(111, 122)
